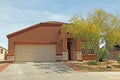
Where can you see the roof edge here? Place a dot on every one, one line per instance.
(49, 23)
(3, 47)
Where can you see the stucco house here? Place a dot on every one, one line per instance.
(3, 51)
(46, 42)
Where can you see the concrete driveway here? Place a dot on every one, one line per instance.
(51, 71)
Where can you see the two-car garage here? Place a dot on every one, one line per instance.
(35, 52)
(35, 43)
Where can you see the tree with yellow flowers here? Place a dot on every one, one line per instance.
(98, 27)
(109, 25)
(81, 28)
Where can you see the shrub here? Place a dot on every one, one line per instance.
(102, 54)
(92, 63)
(118, 58)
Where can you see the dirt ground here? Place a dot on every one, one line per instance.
(101, 67)
(3, 66)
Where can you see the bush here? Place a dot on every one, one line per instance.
(92, 63)
(102, 54)
(118, 58)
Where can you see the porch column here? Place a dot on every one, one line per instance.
(78, 50)
(65, 50)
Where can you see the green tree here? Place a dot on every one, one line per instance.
(109, 25)
(98, 27)
(81, 28)
(118, 58)
(102, 54)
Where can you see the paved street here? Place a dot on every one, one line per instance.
(51, 71)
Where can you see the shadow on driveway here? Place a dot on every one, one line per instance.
(53, 67)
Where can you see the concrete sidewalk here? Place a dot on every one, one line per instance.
(51, 71)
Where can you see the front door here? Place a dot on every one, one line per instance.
(69, 47)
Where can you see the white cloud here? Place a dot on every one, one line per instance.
(13, 19)
(16, 18)
(16, 15)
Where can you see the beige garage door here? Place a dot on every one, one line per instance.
(35, 52)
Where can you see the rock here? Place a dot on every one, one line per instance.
(108, 66)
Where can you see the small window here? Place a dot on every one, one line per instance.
(83, 46)
(91, 51)
(83, 51)
(87, 48)
(1, 51)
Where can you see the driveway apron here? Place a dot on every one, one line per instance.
(51, 71)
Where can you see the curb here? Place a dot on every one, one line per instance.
(72, 67)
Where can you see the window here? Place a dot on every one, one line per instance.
(83, 47)
(87, 47)
(1, 51)
(83, 51)
(90, 48)
(91, 51)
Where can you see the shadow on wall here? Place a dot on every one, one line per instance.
(53, 67)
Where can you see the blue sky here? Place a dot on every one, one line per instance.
(18, 14)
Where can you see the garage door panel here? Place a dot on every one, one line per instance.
(35, 52)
